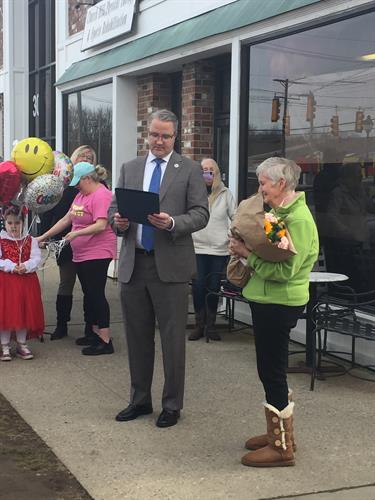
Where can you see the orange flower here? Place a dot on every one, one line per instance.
(267, 226)
(281, 233)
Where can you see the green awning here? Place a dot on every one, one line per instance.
(221, 20)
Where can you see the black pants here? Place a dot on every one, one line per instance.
(209, 269)
(92, 275)
(272, 324)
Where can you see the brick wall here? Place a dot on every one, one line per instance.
(154, 92)
(77, 17)
(198, 101)
(197, 107)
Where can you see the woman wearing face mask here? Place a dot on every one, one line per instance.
(210, 245)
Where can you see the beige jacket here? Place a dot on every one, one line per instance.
(213, 239)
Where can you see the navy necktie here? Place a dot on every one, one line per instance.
(148, 233)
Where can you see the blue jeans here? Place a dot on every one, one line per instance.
(206, 281)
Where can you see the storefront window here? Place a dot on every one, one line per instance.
(312, 99)
(88, 120)
(42, 69)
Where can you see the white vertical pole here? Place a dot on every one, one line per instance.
(16, 87)
(234, 122)
(124, 133)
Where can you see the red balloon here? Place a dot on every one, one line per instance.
(10, 180)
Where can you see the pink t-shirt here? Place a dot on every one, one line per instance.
(85, 210)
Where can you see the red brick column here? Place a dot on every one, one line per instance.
(198, 100)
(77, 17)
(154, 92)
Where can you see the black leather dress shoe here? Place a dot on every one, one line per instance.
(99, 348)
(132, 412)
(167, 418)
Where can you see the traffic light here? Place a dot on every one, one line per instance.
(287, 125)
(310, 110)
(335, 125)
(275, 115)
(359, 116)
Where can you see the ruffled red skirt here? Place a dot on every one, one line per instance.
(21, 303)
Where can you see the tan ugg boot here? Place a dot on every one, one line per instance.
(279, 450)
(256, 442)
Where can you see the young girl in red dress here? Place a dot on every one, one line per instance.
(21, 308)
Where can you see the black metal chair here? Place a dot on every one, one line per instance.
(344, 313)
(319, 266)
(230, 295)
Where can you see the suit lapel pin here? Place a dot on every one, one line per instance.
(176, 165)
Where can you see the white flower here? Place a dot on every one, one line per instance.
(283, 243)
(270, 217)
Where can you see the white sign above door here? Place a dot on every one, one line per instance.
(107, 19)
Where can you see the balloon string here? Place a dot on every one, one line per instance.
(20, 247)
(55, 248)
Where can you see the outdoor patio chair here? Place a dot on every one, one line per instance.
(344, 313)
(230, 295)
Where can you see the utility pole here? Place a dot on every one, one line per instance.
(285, 84)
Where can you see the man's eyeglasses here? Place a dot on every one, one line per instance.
(163, 137)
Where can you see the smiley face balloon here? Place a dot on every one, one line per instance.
(33, 157)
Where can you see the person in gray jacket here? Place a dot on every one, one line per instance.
(211, 250)
(155, 266)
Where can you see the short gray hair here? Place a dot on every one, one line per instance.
(276, 168)
(164, 115)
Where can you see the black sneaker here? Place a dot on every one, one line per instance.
(88, 340)
(100, 348)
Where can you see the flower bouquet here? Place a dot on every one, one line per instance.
(275, 230)
(263, 233)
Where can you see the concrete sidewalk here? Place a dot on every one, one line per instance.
(71, 400)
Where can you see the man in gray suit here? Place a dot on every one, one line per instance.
(156, 264)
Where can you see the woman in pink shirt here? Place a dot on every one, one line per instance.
(94, 246)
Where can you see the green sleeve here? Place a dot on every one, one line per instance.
(302, 234)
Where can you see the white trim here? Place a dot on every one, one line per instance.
(307, 16)
(234, 124)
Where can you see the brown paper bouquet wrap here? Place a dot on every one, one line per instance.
(238, 273)
(248, 225)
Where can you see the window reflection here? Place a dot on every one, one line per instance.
(326, 105)
(89, 121)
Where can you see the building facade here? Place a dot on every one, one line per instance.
(247, 79)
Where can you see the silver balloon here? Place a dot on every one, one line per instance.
(19, 197)
(43, 193)
(63, 167)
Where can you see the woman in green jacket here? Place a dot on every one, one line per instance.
(278, 293)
